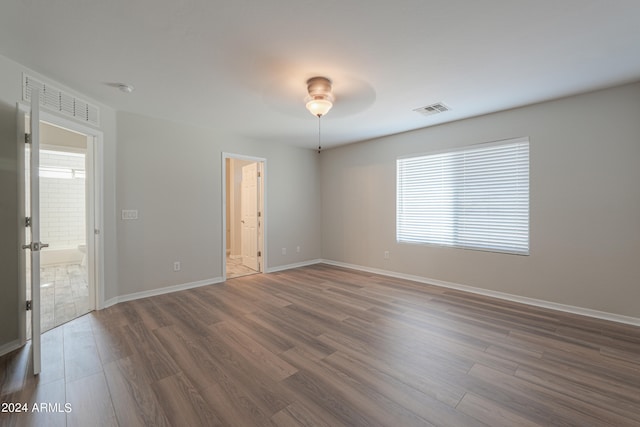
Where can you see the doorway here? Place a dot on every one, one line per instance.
(67, 198)
(244, 215)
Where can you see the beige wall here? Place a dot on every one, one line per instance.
(8, 223)
(585, 203)
(172, 174)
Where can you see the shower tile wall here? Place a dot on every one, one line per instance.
(62, 200)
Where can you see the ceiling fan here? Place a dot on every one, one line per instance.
(288, 93)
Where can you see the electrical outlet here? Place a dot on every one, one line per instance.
(298, 249)
(176, 266)
(386, 255)
(284, 251)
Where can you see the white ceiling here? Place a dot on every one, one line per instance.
(240, 66)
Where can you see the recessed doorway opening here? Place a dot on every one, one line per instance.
(67, 285)
(244, 218)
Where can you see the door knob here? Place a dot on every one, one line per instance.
(35, 246)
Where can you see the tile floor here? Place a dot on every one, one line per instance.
(235, 268)
(64, 294)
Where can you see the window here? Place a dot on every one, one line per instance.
(476, 197)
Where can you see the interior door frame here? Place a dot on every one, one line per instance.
(262, 235)
(95, 250)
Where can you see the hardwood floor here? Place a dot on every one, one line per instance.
(325, 346)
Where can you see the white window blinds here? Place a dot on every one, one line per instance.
(474, 198)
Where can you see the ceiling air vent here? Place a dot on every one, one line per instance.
(432, 109)
(60, 101)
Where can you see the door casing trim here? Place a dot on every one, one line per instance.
(95, 209)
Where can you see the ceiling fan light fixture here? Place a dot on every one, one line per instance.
(319, 106)
(320, 99)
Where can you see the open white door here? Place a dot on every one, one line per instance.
(249, 212)
(32, 154)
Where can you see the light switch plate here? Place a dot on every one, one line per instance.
(129, 214)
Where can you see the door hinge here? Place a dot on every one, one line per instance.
(27, 138)
(259, 174)
(29, 305)
(259, 253)
(259, 214)
(27, 221)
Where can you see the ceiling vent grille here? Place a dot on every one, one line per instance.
(432, 109)
(60, 101)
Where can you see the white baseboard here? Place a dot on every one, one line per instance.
(295, 265)
(176, 288)
(9, 347)
(486, 292)
(495, 294)
(161, 291)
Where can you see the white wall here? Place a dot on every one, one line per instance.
(585, 203)
(172, 174)
(62, 203)
(10, 93)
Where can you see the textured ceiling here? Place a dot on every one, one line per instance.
(240, 67)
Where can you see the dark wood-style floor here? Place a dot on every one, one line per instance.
(324, 346)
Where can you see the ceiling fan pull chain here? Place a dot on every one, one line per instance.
(319, 140)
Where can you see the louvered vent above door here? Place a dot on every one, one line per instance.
(61, 101)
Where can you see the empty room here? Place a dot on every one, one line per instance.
(295, 213)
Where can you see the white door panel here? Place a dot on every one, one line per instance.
(33, 244)
(249, 213)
